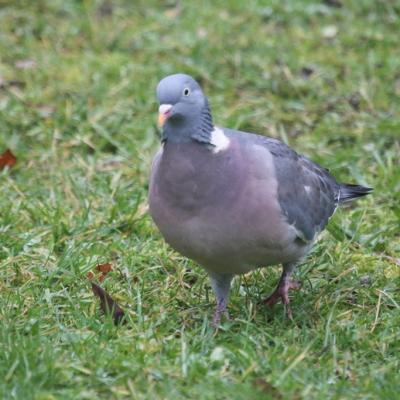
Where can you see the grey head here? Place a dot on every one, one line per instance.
(184, 114)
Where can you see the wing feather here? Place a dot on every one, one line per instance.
(308, 194)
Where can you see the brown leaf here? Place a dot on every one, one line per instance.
(90, 275)
(265, 387)
(104, 268)
(108, 304)
(7, 159)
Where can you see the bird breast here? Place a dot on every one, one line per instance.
(219, 209)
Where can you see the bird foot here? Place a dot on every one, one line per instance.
(282, 293)
(219, 311)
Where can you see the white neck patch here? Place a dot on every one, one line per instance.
(219, 140)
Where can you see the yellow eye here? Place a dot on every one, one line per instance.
(186, 91)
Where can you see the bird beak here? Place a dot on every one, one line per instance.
(164, 112)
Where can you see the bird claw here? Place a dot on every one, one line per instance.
(216, 320)
(282, 293)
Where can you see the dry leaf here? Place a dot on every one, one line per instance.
(104, 268)
(7, 159)
(102, 271)
(267, 388)
(90, 275)
(108, 304)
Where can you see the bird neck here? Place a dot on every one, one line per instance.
(196, 128)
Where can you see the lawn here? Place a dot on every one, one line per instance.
(78, 110)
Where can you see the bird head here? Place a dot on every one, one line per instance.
(183, 110)
(180, 97)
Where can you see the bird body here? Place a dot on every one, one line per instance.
(235, 201)
(227, 216)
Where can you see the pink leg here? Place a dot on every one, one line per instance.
(282, 292)
(221, 285)
(219, 310)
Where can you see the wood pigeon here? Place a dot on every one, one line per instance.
(235, 201)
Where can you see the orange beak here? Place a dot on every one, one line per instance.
(163, 113)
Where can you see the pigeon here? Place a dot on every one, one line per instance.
(234, 201)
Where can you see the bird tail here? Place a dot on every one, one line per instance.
(349, 192)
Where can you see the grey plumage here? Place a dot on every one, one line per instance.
(235, 201)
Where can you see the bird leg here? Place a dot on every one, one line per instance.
(221, 284)
(219, 310)
(282, 291)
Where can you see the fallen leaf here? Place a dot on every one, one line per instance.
(104, 268)
(109, 305)
(265, 387)
(90, 275)
(102, 271)
(7, 159)
(26, 64)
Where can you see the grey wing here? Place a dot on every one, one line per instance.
(307, 193)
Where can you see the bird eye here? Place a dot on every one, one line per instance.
(186, 91)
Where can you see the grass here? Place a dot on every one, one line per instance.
(78, 109)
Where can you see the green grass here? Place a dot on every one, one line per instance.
(82, 123)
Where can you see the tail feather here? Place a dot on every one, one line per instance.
(350, 192)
